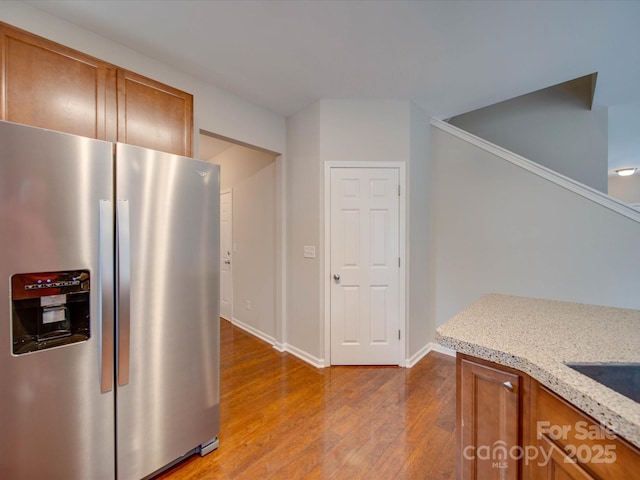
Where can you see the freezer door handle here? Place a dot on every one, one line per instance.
(124, 292)
(106, 305)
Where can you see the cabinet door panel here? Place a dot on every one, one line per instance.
(489, 423)
(154, 115)
(50, 86)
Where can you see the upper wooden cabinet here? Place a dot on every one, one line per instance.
(150, 113)
(48, 85)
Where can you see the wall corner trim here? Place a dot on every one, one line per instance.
(302, 355)
(280, 347)
(424, 351)
(253, 331)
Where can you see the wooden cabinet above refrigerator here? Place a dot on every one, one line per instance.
(48, 85)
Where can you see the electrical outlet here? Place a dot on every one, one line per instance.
(247, 304)
(309, 251)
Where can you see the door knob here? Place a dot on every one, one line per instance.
(336, 276)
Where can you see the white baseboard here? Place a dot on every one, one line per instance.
(424, 351)
(302, 355)
(280, 347)
(254, 331)
(436, 347)
(416, 357)
(319, 362)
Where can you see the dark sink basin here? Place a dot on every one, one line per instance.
(624, 378)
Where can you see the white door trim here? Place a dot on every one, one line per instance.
(400, 166)
(230, 192)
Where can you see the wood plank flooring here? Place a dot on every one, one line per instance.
(284, 419)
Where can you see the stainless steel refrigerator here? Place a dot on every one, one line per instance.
(109, 291)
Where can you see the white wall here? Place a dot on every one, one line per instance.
(215, 110)
(624, 151)
(624, 136)
(252, 176)
(553, 127)
(626, 189)
(497, 228)
(239, 163)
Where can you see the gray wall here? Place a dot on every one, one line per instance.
(350, 130)
(497, 228)
(420, 326)
(554, 127)
(302, 331)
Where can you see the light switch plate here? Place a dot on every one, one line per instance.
(309, 251)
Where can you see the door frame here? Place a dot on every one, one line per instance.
(402, 239)
(230, 192)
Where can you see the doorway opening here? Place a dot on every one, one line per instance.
(250, 273)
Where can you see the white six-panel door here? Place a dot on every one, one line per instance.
(364, 264)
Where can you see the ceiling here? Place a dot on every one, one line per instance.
(449, 57)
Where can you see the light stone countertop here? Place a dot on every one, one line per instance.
(538, 336)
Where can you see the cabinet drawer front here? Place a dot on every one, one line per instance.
(559, 466)
(592, 445)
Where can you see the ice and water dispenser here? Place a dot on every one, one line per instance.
(49, 309)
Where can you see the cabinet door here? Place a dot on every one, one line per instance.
(154, 115)
(489, 415)
(50, 86)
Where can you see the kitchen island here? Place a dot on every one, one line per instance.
(510, 336)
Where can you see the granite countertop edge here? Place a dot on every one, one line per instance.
(613, 410)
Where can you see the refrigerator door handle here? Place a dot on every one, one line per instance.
(124, 292)
(105, 307)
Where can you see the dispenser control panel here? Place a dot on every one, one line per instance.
(49, 309)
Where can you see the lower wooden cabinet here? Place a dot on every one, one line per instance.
(489, 428)
(512, 427)
(583, 448)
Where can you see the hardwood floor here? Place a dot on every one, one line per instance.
(284, 419)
